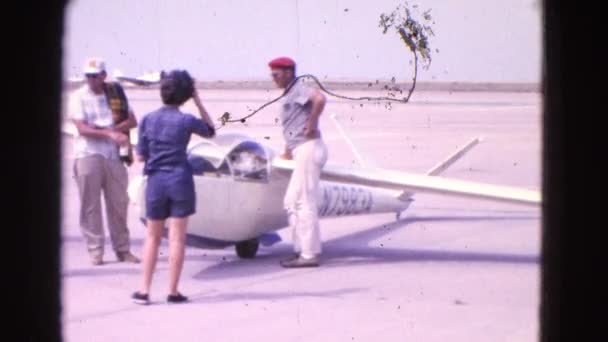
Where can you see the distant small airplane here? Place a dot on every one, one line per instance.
(74, 81)
(146, 79)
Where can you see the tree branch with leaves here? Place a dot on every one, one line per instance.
(414, 34)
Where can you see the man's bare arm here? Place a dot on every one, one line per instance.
(287, 154)
(100, 133)
(318, 103)
(126, 125)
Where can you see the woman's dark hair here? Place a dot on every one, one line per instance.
(176, 87)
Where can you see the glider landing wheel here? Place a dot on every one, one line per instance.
(247, 249)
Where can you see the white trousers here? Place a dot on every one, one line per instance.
(302, 196)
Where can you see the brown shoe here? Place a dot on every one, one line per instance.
(293, 257)
(301, 262)
(127, 257)
(97, 260)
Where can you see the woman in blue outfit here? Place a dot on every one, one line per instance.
(163, 138)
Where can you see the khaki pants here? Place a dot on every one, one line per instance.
(94, 174)
(302, 196)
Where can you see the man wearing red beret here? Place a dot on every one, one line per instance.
(301, 107)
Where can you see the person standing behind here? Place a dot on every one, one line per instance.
(301, 109)
(163, 138)
(98, 167)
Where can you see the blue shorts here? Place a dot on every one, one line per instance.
(170, 195)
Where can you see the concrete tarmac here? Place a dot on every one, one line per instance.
(451, 269)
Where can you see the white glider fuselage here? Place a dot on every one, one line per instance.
(233, 211)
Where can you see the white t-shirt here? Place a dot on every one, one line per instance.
(93, 109)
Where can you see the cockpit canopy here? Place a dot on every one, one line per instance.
(249, 160)
(235, 155)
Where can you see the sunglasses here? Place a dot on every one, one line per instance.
(91, 75)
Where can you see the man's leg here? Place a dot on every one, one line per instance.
(117, 204)
(310, 158)
(88, 173)
(292, 206)
(313, 157)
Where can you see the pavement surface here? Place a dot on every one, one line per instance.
(451, 269)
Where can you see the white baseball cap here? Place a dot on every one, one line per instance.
(94, 66)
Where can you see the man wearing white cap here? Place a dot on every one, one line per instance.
(98, 166)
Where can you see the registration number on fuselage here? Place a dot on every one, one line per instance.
(340, 200)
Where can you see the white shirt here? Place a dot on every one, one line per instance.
(93, 109)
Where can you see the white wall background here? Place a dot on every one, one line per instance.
(232, 40)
